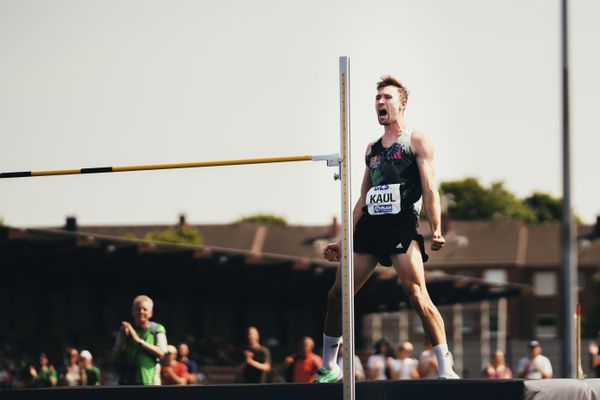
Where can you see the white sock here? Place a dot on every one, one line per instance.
(331, 345)
(444, 359)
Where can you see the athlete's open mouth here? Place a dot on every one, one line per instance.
(382, 112)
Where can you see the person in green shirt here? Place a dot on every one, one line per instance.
(90, 374)
(46, 376)
(139, 346)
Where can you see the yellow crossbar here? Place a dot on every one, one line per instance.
(199, 164)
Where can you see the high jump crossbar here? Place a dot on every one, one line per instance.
(342, 161)
(331, 159)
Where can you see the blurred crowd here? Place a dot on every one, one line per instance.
(142, 355)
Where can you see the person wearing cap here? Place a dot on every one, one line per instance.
(535, 365)
(174, 372)
(90, 374)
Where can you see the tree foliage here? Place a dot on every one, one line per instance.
(182, 234)
(545, 207)
(266, 219)
(469, 200)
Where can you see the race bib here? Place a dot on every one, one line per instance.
(384, 199)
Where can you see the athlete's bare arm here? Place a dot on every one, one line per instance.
(424, 154)
(332, 250)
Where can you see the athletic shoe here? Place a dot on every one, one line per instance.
(449, 375)
(327, 376)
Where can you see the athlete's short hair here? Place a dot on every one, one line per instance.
(388, 80)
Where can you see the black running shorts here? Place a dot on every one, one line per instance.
(383, 235)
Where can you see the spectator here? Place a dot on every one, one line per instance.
(70, 373)
(594, 357)
(498, 368)
(535, 365)
(377, 363)
(173, 372)
(305, 363)
(46, 376)
(139, 346)
(5, 376)
(428, 365)
(359, 371)
(192, 366)
(257, 360)
(90, 374)
(403, 367)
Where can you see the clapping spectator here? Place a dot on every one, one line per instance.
(45, 376)
(304, 363)
(70, 373)
(139, 345)
(377, 362)
(498, 368)
(403, 367)
(257, 360)
(534, 365)
(594, 357)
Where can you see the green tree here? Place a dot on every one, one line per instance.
(267, 219)
(545, 207)
(181, 235)
(469, 200)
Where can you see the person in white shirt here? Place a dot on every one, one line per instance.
(377, 363)
(359, 371)
(403, 367)
(535, 365)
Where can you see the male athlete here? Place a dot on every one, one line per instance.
(399, 171)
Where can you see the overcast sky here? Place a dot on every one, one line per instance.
(100, 83)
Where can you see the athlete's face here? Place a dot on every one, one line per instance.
(388, 105)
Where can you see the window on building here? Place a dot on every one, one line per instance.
(495, 276)
(580, 281)
(493, 324)
(546, 326)
(468, 322)
(544, 283)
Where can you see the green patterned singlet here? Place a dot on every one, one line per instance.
(397, 164)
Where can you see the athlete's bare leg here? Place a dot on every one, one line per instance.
(412, 276)
(409, 267)
(364, 265)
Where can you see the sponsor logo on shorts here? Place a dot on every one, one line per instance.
(385, 208)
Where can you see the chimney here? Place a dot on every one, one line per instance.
(335, 228)
(71, 224)
(182, 221)
(446, 223)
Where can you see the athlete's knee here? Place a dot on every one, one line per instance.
(419, 299)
